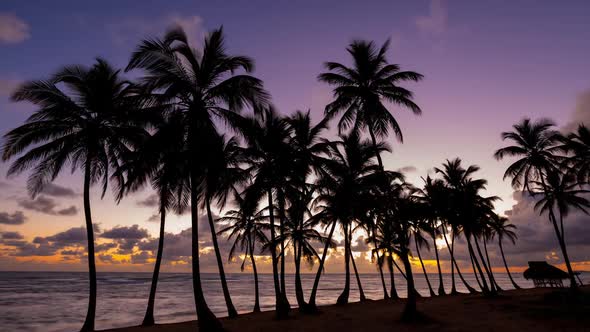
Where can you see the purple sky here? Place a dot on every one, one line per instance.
(486, 65)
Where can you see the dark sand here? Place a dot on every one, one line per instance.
(515, 310)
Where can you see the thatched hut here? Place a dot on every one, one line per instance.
(545, 275)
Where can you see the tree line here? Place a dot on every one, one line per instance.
(284, 187)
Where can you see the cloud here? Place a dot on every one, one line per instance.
(55, 190)
(13, 29)
(436, 22)
(46, 205)
(407, 169)
(17, 218)
(536, 235)
(581, 113)
(154, 218)
(125, 232)
(150, 201)
(134, 29)
(11, 236)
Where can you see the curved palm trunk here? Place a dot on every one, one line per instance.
(380, 268)
(148, 319)
(410, 311)
(441, 285)
(493, 289)
(356, 273)
(393, 291)
(432, 293)
(454, 264)
(485, 249)
(380, 163)
(343, 298)
(255, 271)
(206, 319)
(475, 271)
(231, 310)
(282, 307)
(514, 284)
(90, 315)
(485, 288)
(312, 305)
(561, 240)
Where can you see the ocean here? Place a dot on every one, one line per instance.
(57, 301)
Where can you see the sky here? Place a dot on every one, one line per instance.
(486, 65)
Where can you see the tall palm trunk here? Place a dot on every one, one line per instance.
(312, 305)
(514, 284)
(231, 310)
(379, 266)
(148, 319)
(485, 249)
(493, 289)
(281, 199)
(561, 240)
(255, 271)
(298, 287)
(410, 310)
(441, 285)
(393, 291)
(382, 169)
(90, 315)
(356, 272)
(454, 263)
(432, 294)
(485, 288)
(475, 271)
(343, 298)
(282, 309)
(206, 319)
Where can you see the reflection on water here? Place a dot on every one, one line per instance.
(57, 301)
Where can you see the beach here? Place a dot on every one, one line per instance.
(515, 310)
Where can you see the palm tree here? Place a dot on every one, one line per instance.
(578, 144)
(455, 177)
(270, 160)
(534, 143)
(502, 228)
(433, 197)
(362, 91)
(420, 241)
(89, 124)
(348, 175)
(246, 227)
(561, 194)
(222, 175)
(203, 86)
(161, 160)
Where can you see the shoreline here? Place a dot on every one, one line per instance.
(539, 309)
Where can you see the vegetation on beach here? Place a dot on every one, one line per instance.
(294, 190)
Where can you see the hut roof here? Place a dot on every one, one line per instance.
(543, 270)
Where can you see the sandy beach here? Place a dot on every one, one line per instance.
(522, 310)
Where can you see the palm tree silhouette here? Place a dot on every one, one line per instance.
(454, 177)
(361, 92)
(161, 160)
(561, 194)
(222, 175)
(578, 144)
(433, 198)
(246, 228)
(267, 136)
(90, 125)
(204, 87)
(420, 241)
(502, 228)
